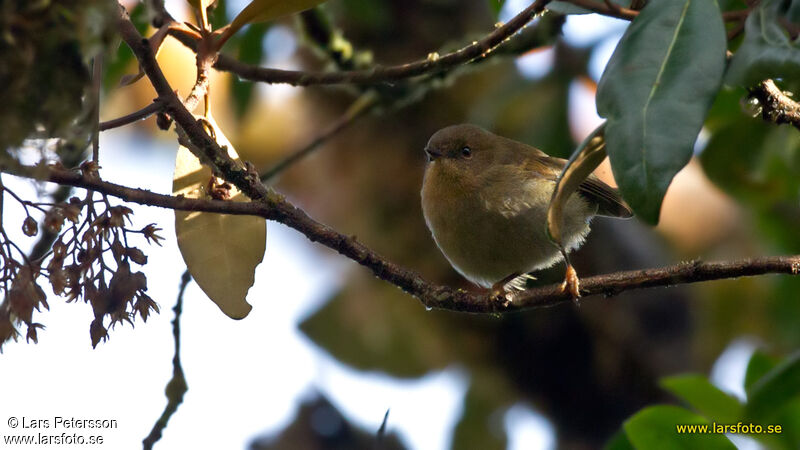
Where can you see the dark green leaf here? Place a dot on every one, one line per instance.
(790, 423)
(656, 427)
(704, 397)
(758, 366)
(775, 389)
(767, 50)
(619, 442)
(655, 93)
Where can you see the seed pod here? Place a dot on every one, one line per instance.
(30, 227)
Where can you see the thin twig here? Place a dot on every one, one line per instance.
(360, 107)
(431, 295)
(141, 114)
(176, 387)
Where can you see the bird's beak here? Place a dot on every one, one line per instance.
(432, 154)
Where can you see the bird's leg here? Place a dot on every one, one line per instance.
(498, 292)
(572, 283)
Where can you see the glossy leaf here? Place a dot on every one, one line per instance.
(655, 428)
(221, 251)
(775, 389)
(704, 397)
(767, 50)
(655, 93)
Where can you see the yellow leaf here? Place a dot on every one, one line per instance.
(581, 164)
(264, 11)
(221, 251)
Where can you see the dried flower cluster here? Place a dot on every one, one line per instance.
(90, 260)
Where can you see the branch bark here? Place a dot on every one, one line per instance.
(776, 106)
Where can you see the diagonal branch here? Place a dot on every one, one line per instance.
(431, 295)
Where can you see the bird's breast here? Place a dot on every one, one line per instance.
(492, 232)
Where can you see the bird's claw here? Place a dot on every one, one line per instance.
(572, 284)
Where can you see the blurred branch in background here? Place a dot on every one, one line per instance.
(360, 107)
(176, 387)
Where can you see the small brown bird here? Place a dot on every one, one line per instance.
(485, 200)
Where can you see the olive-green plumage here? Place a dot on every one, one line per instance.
(485, 200)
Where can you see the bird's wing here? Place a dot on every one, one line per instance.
(609, 203)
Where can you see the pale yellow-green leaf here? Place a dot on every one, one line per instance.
(221, 251)
(586, 158)
(266, 10)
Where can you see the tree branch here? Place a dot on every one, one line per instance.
(776, 106)
(431, 295)
(143, 113)
(477, 50)
(271, 206)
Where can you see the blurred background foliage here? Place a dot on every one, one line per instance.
(586, 369)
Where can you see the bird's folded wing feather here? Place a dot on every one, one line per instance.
(609, 203)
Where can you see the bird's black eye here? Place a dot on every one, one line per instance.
(466, 152)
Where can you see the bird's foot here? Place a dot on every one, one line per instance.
(572, 284)
(503, 291)
(499, 295)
